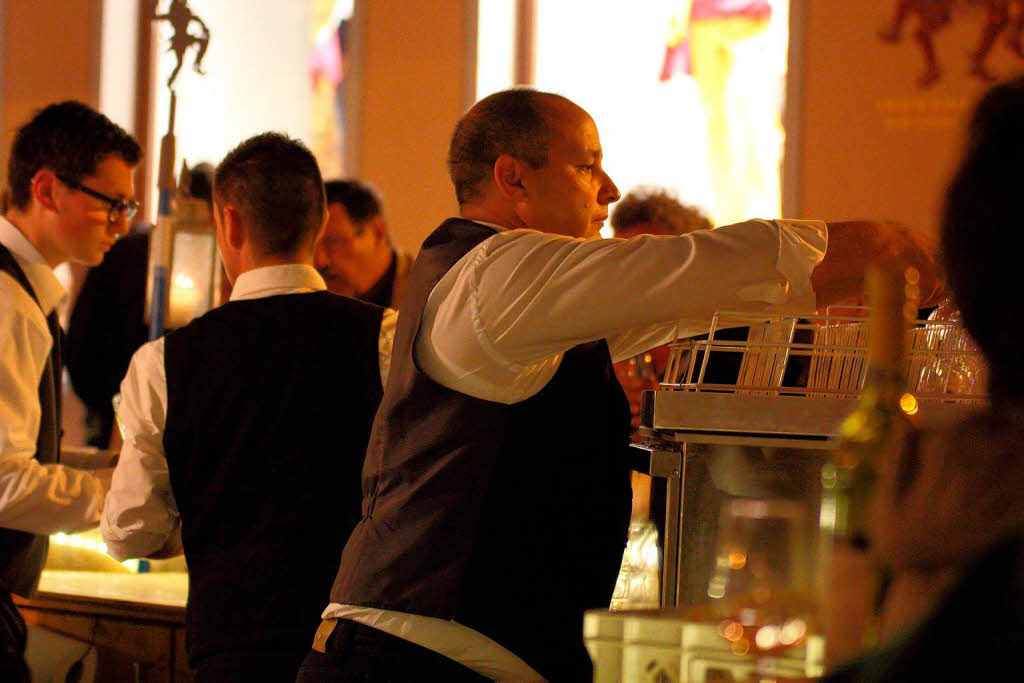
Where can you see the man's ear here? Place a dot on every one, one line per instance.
(508, 177)
(235, 232)
(43, 187)
(320, 231)
(379, 226)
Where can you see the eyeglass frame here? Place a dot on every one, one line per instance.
(126, 208)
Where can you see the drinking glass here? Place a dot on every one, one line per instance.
(762, 588)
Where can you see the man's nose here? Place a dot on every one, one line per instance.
(609, 192)
(119, 227)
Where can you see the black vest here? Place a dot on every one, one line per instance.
(22, 555)
(269, 407)
(510, 519)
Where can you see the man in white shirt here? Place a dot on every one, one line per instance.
(70, 196)
(496, 487)
(245, 430)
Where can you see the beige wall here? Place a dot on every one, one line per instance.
(416, 80)
(49, 51)
(871, 141)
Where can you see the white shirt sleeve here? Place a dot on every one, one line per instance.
(496, 325)
(384, 343)
(140, 516)
(39, 499)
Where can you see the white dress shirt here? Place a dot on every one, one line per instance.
(40, 499)
(497, 324)
(140, 516)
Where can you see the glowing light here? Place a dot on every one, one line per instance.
(184, 281)
(737, 559)
(767, 637)
(792, 631)
(62, 539)
(731, 630)
(741, 647)
(908, 404)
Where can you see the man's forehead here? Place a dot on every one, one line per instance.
(116, 173)
(573, 127)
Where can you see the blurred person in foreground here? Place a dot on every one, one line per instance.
(948, 518)
(240, 449)
(356, 255)
(496, 493)
(69, 198)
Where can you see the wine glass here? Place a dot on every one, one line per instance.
(762, 587)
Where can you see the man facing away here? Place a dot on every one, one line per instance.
(356, 255)
(70, 196)
(496, 487)
(245, 430)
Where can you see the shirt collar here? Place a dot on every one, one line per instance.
(292, 278)
(40, 275)
(499, 228)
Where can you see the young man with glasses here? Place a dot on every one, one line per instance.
(70, 190)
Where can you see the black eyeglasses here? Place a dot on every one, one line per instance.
(119, 208)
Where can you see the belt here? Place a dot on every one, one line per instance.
(324, 632)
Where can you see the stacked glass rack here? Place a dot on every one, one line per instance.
(754, 414)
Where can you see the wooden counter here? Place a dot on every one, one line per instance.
(137, 621)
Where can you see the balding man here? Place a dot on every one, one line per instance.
(496, 490)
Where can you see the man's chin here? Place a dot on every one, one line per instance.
(341, 288)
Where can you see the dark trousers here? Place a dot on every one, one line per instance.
(13, 634)
(243, 667)
(355, 652)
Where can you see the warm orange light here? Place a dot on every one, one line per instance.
(908, 404)
(737, 559)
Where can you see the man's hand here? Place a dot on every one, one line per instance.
(855, 245)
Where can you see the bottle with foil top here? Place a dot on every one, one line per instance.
(878, 424)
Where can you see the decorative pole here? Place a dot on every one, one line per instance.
(180, 17)
(160, 238)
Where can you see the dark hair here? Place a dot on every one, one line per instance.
(360, 200)
(509, 122)
(656, 205)
(275, 183)
(981, 217)
(200, 181)
(69, 138)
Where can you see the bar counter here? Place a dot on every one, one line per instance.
(136, 621)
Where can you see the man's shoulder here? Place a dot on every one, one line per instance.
(16, 303)
(338, 304)
(457, 228)
(305, 306)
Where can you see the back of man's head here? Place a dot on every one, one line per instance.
(275, 184)
(200, 181)
(70, 139)
(982, 219)
(656, 211)
(512, 122)
(360, 200)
